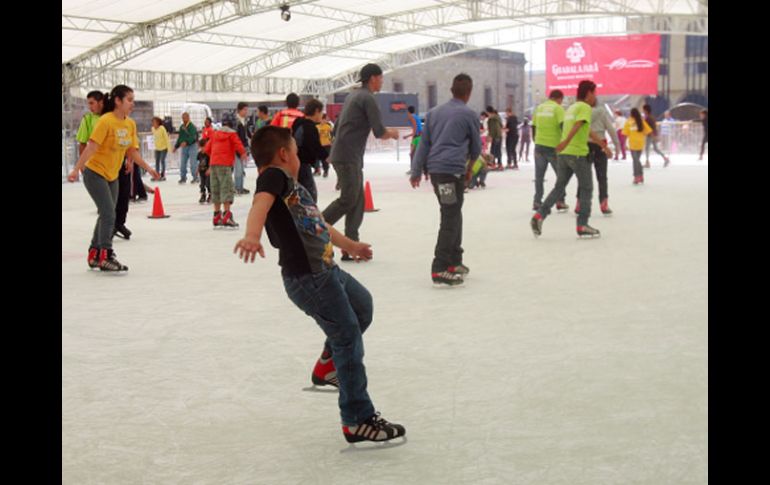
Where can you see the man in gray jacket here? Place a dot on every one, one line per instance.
(359, 115)
(450, 137)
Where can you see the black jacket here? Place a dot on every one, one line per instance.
(308, 141)
(243, 133)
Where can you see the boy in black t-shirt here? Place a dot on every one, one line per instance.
(203, 166)
(297, 228)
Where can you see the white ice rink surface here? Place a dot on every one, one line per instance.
(561, 361)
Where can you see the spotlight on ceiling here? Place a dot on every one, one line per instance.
(285, 14)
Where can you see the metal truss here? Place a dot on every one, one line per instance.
(167, 81)
(142, 37)
(529, 13)
(104, 26)
(535, 19)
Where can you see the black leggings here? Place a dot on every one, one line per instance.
(124, 193)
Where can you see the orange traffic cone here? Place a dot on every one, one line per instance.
(368, 202)
(157, 207)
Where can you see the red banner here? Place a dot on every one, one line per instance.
(618, 65)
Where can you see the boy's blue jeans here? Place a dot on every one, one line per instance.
(342, 307)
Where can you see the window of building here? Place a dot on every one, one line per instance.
(663, 69)
(487, 97)
(398, 87)
(696, 46)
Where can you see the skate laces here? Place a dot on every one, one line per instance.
(378, 422)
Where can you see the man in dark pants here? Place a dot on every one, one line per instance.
(121, 206)
(597, 153)
(138, 192)
(359, 116)
(547, 123)
(511, 138)
(450, 137)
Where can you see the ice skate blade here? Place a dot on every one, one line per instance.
(589, 236)
(374, 445)
(324, 389)
(114, 273)
(443, 286)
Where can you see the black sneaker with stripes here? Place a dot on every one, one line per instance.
(108, 261)
(446, 278)
(373, 429)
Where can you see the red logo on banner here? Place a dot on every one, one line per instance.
(618, 65)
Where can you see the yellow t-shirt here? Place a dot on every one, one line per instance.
(635, 137)
(114, 137)
(325, 133)
(161, 138)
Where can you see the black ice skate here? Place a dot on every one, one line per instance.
(587, 232)
(108, 262)
(460, 269)
(324, 372)
(536, 223)
(122, 232)
(446, 278)
(228, 221)
(93, 258)
(373, 429)
(217, 219)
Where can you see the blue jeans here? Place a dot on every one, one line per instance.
(342, 307)
(636, 156)
(305, 179)
(239, 173)
(160, 162)
(544, 156)
(581, 167)
(189, 152)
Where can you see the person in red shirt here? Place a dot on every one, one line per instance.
(207, 129)
(221, 150)
(285, 118)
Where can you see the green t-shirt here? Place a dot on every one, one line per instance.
(547, 120)
(578, 146)
(87, 125)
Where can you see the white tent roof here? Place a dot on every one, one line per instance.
(228, 47)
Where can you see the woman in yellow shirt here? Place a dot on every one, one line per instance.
(637, 130)
(161, 146)
(325, 134)
(114, 137)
